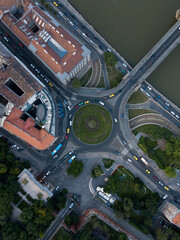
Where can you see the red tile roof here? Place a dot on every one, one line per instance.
(22, 78)
(56, 63)
(176, 220)
(25, 130)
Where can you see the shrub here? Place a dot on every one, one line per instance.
(97, 171)
(107, 162)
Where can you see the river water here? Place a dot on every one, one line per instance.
(132, 27)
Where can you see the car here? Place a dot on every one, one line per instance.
(55, 156)
(70, 152)
(61, 13)
(91, 42)
(165, 196)
(21, 45)
(32, 65)
(166, 107)
(109, 50)
(101, 103)
(47, 173)
(158, 96)
(6, 39)
(142, 89)
(148, 94)
(166, 188)
(68, 129)
(80, 104)
(117, 153)
(37, 70)
(149, 65)
(129, 160)
(140, 69)
(124, 142)
(177, 116)
(50, 84)
(66, 136)
(69, 108)
(152, 56)
(46, 80)
(64, 100)
(173, 113)
(70, 115)
(7, 35)
(147, 171)
(178, 184)
(155, 178)
(71, 205)
(70, 123)
(135, 158)
(55, 4)
(124, 65)
(115, 120)
(161, 183)
(149, 88)
(112, 95)
(76, 107)
(86, 102)
(167, 104)
(57, 187)
(122, 115)
(66, 14)
(42, 75)
(84, 35)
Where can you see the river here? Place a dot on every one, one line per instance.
(132, 27)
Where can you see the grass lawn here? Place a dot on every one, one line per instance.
(101, 83)
(114, 75)
(150, 128)
(137, 97)
(92, 124)
(86, 78)
(136, 112)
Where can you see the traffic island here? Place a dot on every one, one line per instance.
(92, 124)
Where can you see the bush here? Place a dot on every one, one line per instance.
(23, 205)
(170, 172)
(75, 168)
(97, 171)
(110, 58)
(107, 162)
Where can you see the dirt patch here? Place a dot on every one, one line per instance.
(162, 143)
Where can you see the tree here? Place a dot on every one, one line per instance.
(75, 168)
(173, 149)
(161, 235)
(127, 204)
(110, 58)
(76, 83)
(148, 222)
(97, 171)
(27, 215)
(3, 168)
(170, 172)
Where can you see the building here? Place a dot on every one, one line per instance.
(25, 105)
(32, 187)
(171, 212)
(57, 48)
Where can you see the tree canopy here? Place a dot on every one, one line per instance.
(110, 58)
(75, 168)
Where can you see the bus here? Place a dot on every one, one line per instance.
(56, 149)
(72, 158)
(144, 161)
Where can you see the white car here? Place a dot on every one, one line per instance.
(124, 65)
(177, 116)
(115, 120)
(70, 152)
(178, 184)
(60, 13)
(55, 156)
(84, 35)
(173, 113)
(56, 188)
(69, 108)
(129, 160)
(161, 183)
(165, 196)
(147, 94)
(32, 66)
(167, 104)
(47, 173)
(142, 89)
(149, 88)
(91, 42)
(101, 103)
(124, 142)
(70, 123)
(70, 115)
(6, 39)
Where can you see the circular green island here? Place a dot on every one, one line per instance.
(92, 124)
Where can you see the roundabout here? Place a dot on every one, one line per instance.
(92, 124)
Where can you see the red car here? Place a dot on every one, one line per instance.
(7, 35)
(21, 45)
(66, 136)
(155, 178)
(76, 107)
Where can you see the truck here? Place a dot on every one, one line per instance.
(144, 161)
